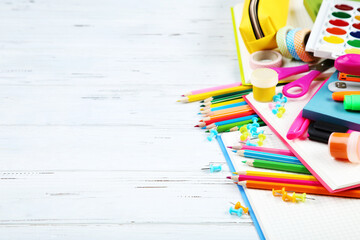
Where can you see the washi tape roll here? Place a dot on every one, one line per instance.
(281, 41)
(290, 37)
(300, 41)
(265, 59)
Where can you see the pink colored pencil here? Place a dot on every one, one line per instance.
(278, 180)
(210, 89)
(263, 149)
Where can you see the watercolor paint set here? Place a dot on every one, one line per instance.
(336, 30)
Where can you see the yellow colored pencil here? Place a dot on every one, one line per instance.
(202, 96)
(226, 103)
(277, 175)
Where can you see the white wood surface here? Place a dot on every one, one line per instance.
(93, 144)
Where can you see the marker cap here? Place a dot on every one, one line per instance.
(352, 102)
(345, 146)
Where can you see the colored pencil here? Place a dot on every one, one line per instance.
(228, 110)
(237, 128)
(225, 95)
(263, 149)
(211, 89)
(287, 167)
(208, 110)
(226, 127)
(225, 103)
(227, 98)
(268, 156)
(277, 175)
(277, 180)
(202, 96)
(230, 121)
(317, 190)
(226, 117)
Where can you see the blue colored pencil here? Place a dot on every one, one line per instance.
(224, 107)
(268, 156)
(234, 120)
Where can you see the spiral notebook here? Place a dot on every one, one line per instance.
(322, 218)
(334, 175)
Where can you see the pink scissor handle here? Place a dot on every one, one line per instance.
(303, 83)
(289, 71)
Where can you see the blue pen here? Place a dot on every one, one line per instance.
(216, 124)
(269, 156)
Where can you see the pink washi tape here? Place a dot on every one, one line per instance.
(265, 59)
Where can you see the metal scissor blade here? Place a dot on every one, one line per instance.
(323, 66)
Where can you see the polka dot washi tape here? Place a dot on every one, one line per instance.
(300, 40)
(290, 38)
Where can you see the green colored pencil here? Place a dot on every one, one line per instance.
(288, 167)
(229, 98)
(225, 95)
(236, 128)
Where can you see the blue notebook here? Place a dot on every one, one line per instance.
(323, 107)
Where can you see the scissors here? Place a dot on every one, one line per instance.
(305, 81)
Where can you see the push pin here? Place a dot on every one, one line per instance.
(213, 168)
(280, 112)
(278, 193)
(244, 136)
(255, 122)
(243, 129)
(213, 134)
(262, 138)
(238, 206)
(234, 211)
(301, 197)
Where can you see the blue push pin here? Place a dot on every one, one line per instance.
(213, 168)
(255, 122)
(234, 211)
(248, 143)
(213, 133)
(275, 110)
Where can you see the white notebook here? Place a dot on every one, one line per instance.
(334, 175)
(297, 17)
(322, 218)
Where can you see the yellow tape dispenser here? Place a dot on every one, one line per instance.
(260, 22)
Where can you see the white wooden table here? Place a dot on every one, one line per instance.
(93, 144)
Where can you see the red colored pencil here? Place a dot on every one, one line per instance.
(226, 117)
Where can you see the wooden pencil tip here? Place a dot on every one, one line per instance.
(202, 105)
(228, 177)
(202, 101)
(178, 101)
(244, 161)
(229, 146)
(196, 126)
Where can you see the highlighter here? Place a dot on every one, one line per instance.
(352, 102)
(339, 96)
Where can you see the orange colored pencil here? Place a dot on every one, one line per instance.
(317, 190)
(238, 114)
(223, 111)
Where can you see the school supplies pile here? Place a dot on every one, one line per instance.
(298, 141)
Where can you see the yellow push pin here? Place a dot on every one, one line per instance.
(244, 136)
(243, 129)
(281, 111)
